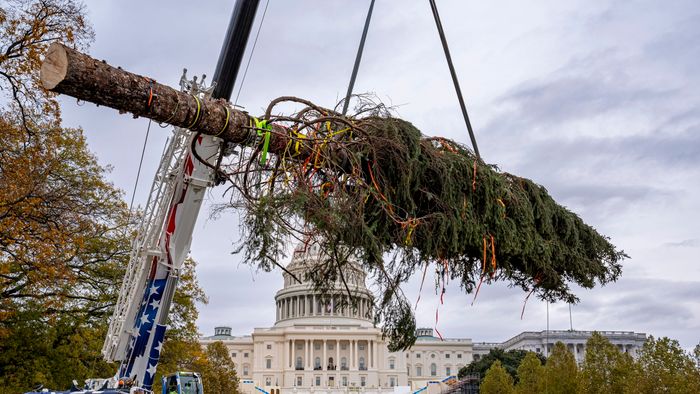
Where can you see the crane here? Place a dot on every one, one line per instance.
(164, 235)
(186, 170)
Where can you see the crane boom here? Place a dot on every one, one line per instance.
(137, 328)
(162, 242)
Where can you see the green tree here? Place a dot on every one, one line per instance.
(605, 369)
(497, 380)
(52, 353)
(696, 355)
(664, 367)
(510, 360)
(221, 376)
(561, 371)
(530, 375)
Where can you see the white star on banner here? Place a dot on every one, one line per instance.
(144, 318)
(154, 289)
(151, 370)
(159, 347)
(155, 304)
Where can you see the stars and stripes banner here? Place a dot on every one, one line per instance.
(144, 350)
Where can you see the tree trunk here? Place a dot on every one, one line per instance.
(70, 72)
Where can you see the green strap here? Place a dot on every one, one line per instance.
(261, 125)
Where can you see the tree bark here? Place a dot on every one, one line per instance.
(76, 74)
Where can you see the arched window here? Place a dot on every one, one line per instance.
(343, 363)
(362, 364)
(300, 363)
(419, 370)
(268, 363)
(392, 363)
(433, 369)
(317, 363)
(245, 369)
(331, 365)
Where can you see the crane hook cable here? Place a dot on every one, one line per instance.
(455, 81)
(358, 57)
(138, 172)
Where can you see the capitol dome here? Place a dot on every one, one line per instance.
(300, 304)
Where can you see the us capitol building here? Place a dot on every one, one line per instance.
(321, 344)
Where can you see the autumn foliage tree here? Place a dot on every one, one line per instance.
(62, 225)
(64, 229)
(530, 375)
(664, 367)
(497, 380)
(27, 28)
(605, 369)
(561, 371)
(61, 222)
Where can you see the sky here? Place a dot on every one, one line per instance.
(597, 101)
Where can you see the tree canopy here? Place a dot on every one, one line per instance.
(530, 375)
(27, 28)
(509, 360)
(497, 380)
(561, 371)
(605, 369)
(664, 367)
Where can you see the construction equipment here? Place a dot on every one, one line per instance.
(137, 327)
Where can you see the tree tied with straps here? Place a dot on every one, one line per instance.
(369, 186)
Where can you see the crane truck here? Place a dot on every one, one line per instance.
(139, 321)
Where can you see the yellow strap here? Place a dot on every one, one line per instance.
(228, 116)
(196, 118)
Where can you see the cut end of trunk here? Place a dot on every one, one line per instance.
(54, 67)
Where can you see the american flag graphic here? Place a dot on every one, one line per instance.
(146, 345)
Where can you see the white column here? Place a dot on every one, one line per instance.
(307, 346)
(324, 360)
(337, 354)
(356, 358)
(375, 353)
(313, 305)
(285, 349)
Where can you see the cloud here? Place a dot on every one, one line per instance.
(686, 243)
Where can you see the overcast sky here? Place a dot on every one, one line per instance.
(595, 100)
